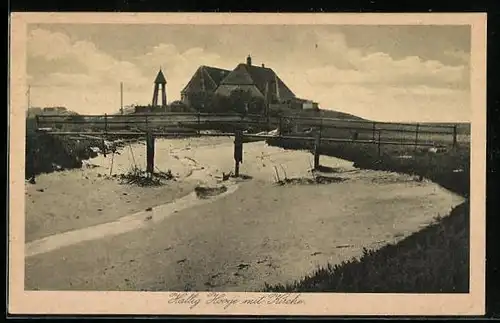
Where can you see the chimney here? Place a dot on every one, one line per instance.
(249, 60)
(263, 65)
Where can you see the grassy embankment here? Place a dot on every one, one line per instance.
(47, 153)
(433, 260)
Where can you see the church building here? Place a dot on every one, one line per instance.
(261, 82)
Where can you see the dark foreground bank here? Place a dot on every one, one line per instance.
(433, 260)
(46, 153)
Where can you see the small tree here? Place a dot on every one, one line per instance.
(221, 103)
(201, 101)
(178, 106)
(257, 105)
(241, 100)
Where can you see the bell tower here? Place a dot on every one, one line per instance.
(160, 84)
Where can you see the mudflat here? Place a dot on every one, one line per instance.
(258, 232)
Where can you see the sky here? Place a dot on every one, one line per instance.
(384, 73)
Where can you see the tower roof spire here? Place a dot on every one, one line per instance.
(160, 78)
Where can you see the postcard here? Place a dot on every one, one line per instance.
(247, 164)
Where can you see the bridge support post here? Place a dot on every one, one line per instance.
(268, 120)
(150, 153)
(416, 136)
(103, 143)
(105, 134)
(238, 151)
(317, 142)
(280, 126)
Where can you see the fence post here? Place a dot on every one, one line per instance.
(416, 136)
(373, 132)
(280, 125)
(105, 123)
(37, 121)
(454, 136)
(317, 143)
(378, 143)
(150, 153)
(147, 125)
(238, 151)
(268, 119)
(199, 123)
(105, 134)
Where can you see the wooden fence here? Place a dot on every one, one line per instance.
(317, 130)
(190, 123)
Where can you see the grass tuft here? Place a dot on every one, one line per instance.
(137, 176)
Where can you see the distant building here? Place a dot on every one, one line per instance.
(261, 86)
(304, 104)
(178, 106)
(260, 81)
(54, 110)
(142, 109)
(128, 109)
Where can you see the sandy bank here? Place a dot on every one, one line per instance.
(260, 233)
(79, 198)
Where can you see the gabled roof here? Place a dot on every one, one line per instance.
(258, 76)
(217, 74)
(206, 78)
(160, 78)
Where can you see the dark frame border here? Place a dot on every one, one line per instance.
(493, 101)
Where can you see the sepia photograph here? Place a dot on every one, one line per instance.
(210, 159)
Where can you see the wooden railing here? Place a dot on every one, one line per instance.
(168, 124)
(321, 130)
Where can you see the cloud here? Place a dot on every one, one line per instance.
(101, 69)
(174, 61)
(66, 79)
(376, 85)
(49, 45)
(389, 103)
(460, 55)
(96, 87)
(321, 66)
(178, 66)
(383, 70)
(334, 62)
